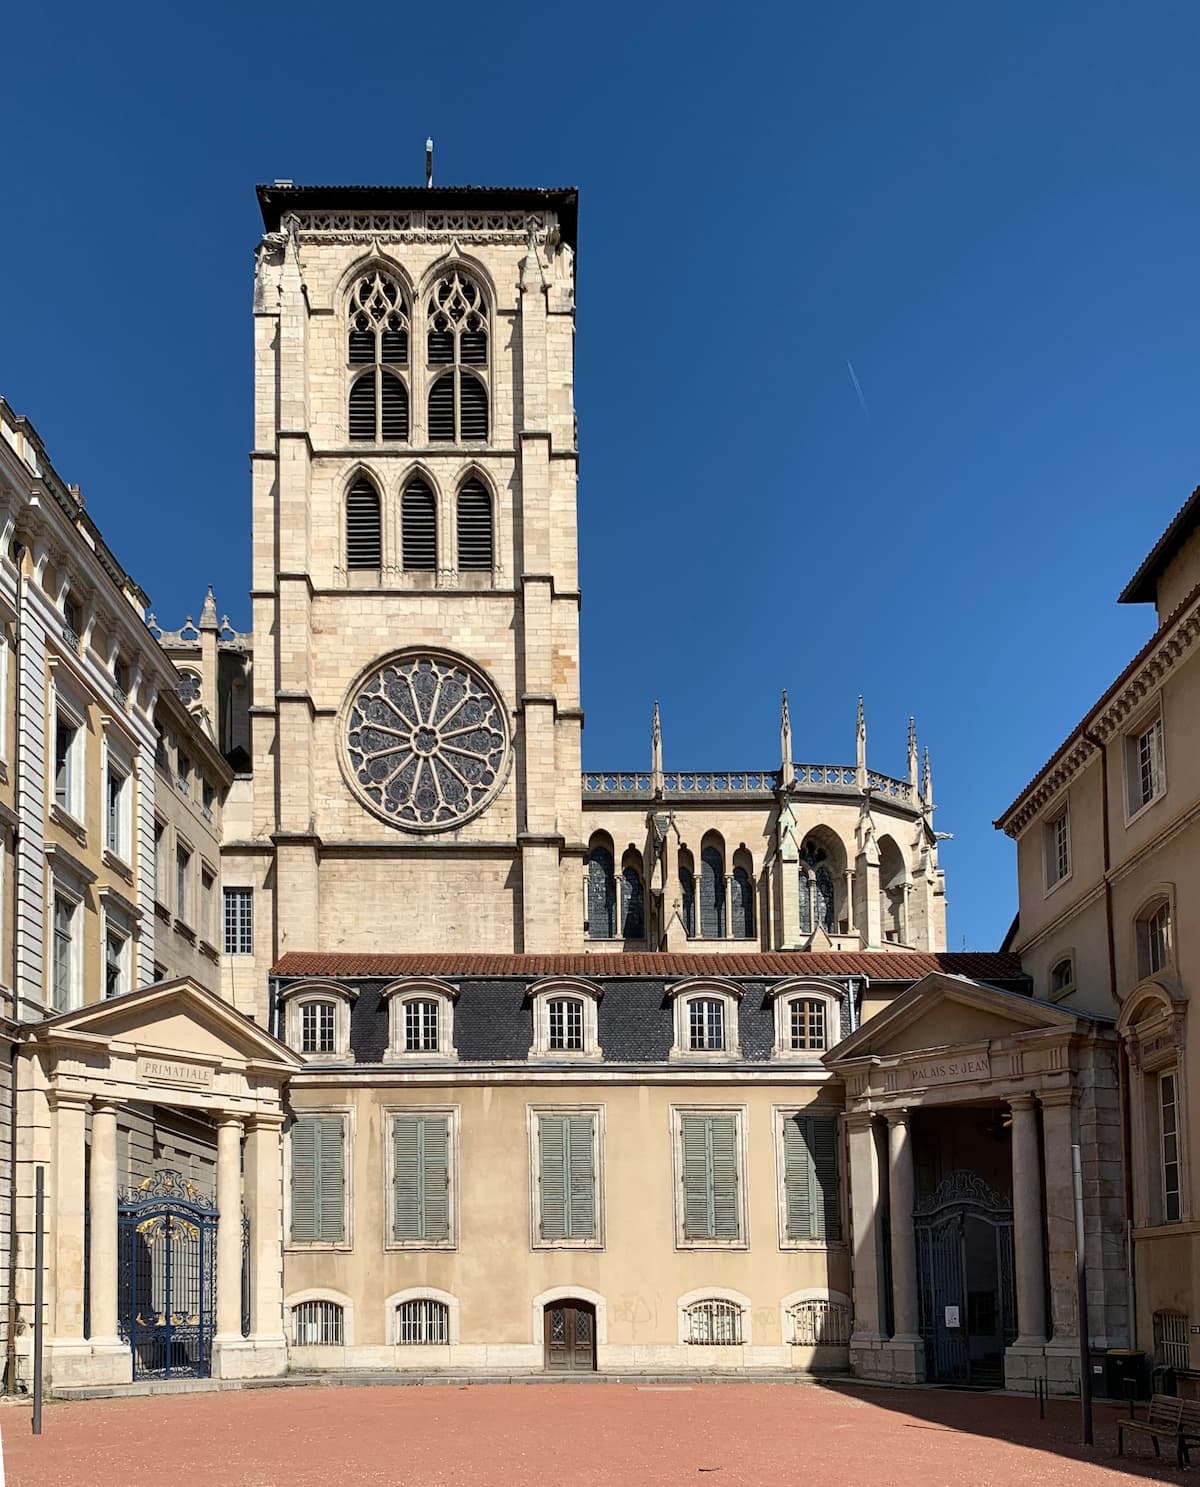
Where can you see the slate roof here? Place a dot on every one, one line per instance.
(878, 965)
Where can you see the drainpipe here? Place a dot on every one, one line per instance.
(10, 1344)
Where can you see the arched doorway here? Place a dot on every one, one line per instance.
(569, 1331)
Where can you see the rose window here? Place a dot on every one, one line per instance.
(427, 741)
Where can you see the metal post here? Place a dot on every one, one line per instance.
(1085, 1361)
(39, 1249)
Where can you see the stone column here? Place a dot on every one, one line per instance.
(728, 906)
(64, 1251)
(905, 1304)
(866, 1338)
(264, 1204)
(229, 1229)
(103, 1214)
(1062, 1351)
(1027, 1225)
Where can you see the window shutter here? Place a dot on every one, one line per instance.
(811, 1177)
(362, 407)
(394, 407)
(581, 1178)
(724, 1176)
(418, 517)
(441, 407)
(553, 1157)
(318, 1179)
(474, 528)
(421, 1178)
(473, 402)
(709, 1180)
(363, 531)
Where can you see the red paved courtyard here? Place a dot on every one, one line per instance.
(542, 1435)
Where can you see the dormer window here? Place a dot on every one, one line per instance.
(565, 1019)
(316, 1017)
(706, 1019)
(807, 1018)
(420, 1018)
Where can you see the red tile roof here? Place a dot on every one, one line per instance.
(879, 965)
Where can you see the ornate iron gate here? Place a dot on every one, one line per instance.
(941, 1224)
(167, 1274)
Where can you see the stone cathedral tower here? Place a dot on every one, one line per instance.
(416, 719)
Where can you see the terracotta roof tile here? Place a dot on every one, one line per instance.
(880, 965)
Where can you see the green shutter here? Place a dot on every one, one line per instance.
(567, 1177)
(710, 1179)
(318, 1179)
(420, 1178)
(811, 1177)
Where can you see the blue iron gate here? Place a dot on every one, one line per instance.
(167, 1276)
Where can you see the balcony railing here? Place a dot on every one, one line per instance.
(736, 784)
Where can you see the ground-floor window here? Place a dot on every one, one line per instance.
(1170, 1339)
(422, 1322)
(317, 1324)
(714, 1323)
(819, 1324)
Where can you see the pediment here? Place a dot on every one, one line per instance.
(179, 1017)
(943, 1011)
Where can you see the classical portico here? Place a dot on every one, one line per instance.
(963, 1102)
(180, 1047)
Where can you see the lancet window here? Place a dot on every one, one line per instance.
(377, 340)
(457, 339)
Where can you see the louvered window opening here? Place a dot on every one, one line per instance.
(421, 1179)
(741, 891)
(364, 538)
(566, 1025)
(714, 1324)
(316, 1027)
(712, 895)
(457, 337)
(317, 1324)
(633, 916)
(475, 540)
(421, 1027)
(423, 1323)
(378, 338)
(807, 1025)
(602, 908)
(418, 519)
(706, 1024)
(458, 409)
(819, 1324)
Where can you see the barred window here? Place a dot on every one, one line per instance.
(420, 1027)
(714, 1323)
(566, 1024)
(808, 1024)
(706, 1023)
(317, 1324)
(819, 1324)
(422, 1322)
(1170, 1339)
(317, 1027)
(239, 921)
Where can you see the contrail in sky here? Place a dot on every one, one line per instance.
(857, 387)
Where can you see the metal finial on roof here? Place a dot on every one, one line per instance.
(429, 161)
(656, 766)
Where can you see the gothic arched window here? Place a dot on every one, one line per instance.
(633, 916)
(378, 339)
(602, 906)
(458, 339)
(741, 893)
(712, 894)
(475, 540)
(418, 528)
(687, 899)
(364, 544)
(816, 890)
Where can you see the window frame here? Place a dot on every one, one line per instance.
(292, 1001)
(1149, 722)
(114, 930)
(783, 996)
(1159, 903)
(397, 1299)
(722, 1295)
(809, 1296)
(741, 1117)
(121, 769)
(183, 876)
(1055, 851)
(74, 899)
(398, 996)
(317, 1294)
(682, 995)
(1060, 993)
(1165, 1191)
(560, 989)
(534, 1113)
(452, 1114)
(346, 1114)
(74, 805)
(780, 1115)
(228, 892)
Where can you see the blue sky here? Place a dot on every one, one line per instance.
(989, 212)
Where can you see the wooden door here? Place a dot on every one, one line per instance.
(570, 1334)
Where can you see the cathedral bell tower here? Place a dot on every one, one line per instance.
(416, 714)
